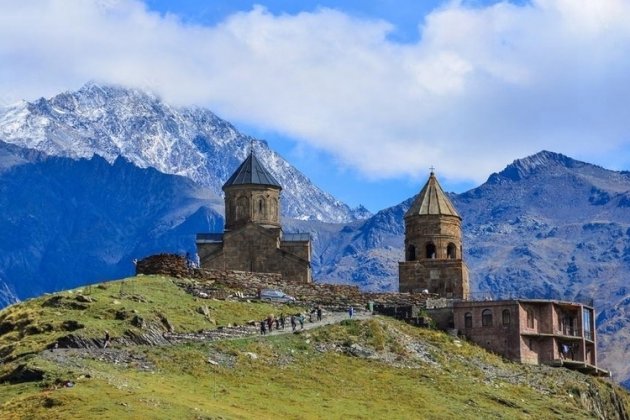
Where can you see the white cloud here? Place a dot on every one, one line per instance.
(481, 87)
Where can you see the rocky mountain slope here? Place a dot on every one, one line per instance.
(112, 122)
(547, 226)
(65, 222)
(175, 355)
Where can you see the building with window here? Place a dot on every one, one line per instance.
(532, 331)
(433, 246)
(253, 239)
(524, 330)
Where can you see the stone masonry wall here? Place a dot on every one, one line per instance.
(443, 277)
(221, 284)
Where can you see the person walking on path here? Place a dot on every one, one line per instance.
(107, 340)
(282, 320)
(350, 312)
(319, 313)
(270, 322)
(293, 324)
(263, 327)
(301, 319)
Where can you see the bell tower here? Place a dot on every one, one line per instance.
(433, 246)
(252, 195)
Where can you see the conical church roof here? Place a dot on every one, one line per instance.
(432, 201)
(253, 172)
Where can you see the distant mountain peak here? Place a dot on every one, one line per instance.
(541, 161)
(114, 120)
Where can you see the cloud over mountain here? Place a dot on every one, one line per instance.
(510, 80)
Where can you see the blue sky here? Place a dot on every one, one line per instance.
(362, 96)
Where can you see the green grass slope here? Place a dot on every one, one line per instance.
(375, 368)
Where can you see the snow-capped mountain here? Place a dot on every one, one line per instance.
(546, 226)
(112, 122)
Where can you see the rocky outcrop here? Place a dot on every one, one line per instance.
(168, 264)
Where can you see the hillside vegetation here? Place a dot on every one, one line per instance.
(177, 356)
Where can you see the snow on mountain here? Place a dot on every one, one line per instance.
(112, 121)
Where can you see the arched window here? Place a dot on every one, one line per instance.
(411, 253)
(486, 318)
(506, 317)
(467, 320)
(262, 207)
(430, 250)
(530, 318)
(451, 251)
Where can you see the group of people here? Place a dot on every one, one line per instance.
(268, 324)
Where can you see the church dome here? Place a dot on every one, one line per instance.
(252, 172)
(432, 201)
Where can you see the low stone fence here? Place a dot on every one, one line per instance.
(222, 284)
(168, 264)
(336, 296)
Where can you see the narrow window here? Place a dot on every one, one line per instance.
(411, 253)
(430, 250)
(451, 251)
(486, 318)
(468, 320)
(530, 318)
(506, 317)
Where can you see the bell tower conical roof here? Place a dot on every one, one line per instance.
(432, 200)
(252, 172)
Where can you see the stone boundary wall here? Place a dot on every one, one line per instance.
(223, 284)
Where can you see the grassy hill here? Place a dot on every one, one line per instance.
(177, 356)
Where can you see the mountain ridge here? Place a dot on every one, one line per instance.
(546, 226)
(113, 121)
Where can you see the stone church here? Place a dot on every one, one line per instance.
(433, 246)
(253, 239)
(535, 331)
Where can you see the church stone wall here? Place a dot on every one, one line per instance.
(447, 278)
(251, 203)
(204, 250)
(256, 249)
(439, 230)
(301, 249)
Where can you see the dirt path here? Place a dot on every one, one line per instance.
(327, 319)
(122, 354)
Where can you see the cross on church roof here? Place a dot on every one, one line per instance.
(432, 168)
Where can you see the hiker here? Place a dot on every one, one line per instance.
(301, 319)
(350, 312)
(282, 320)
(277, 323)
(107, 339)
(270, 322)
(319, 313)
(263, 327)
(293, 324)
